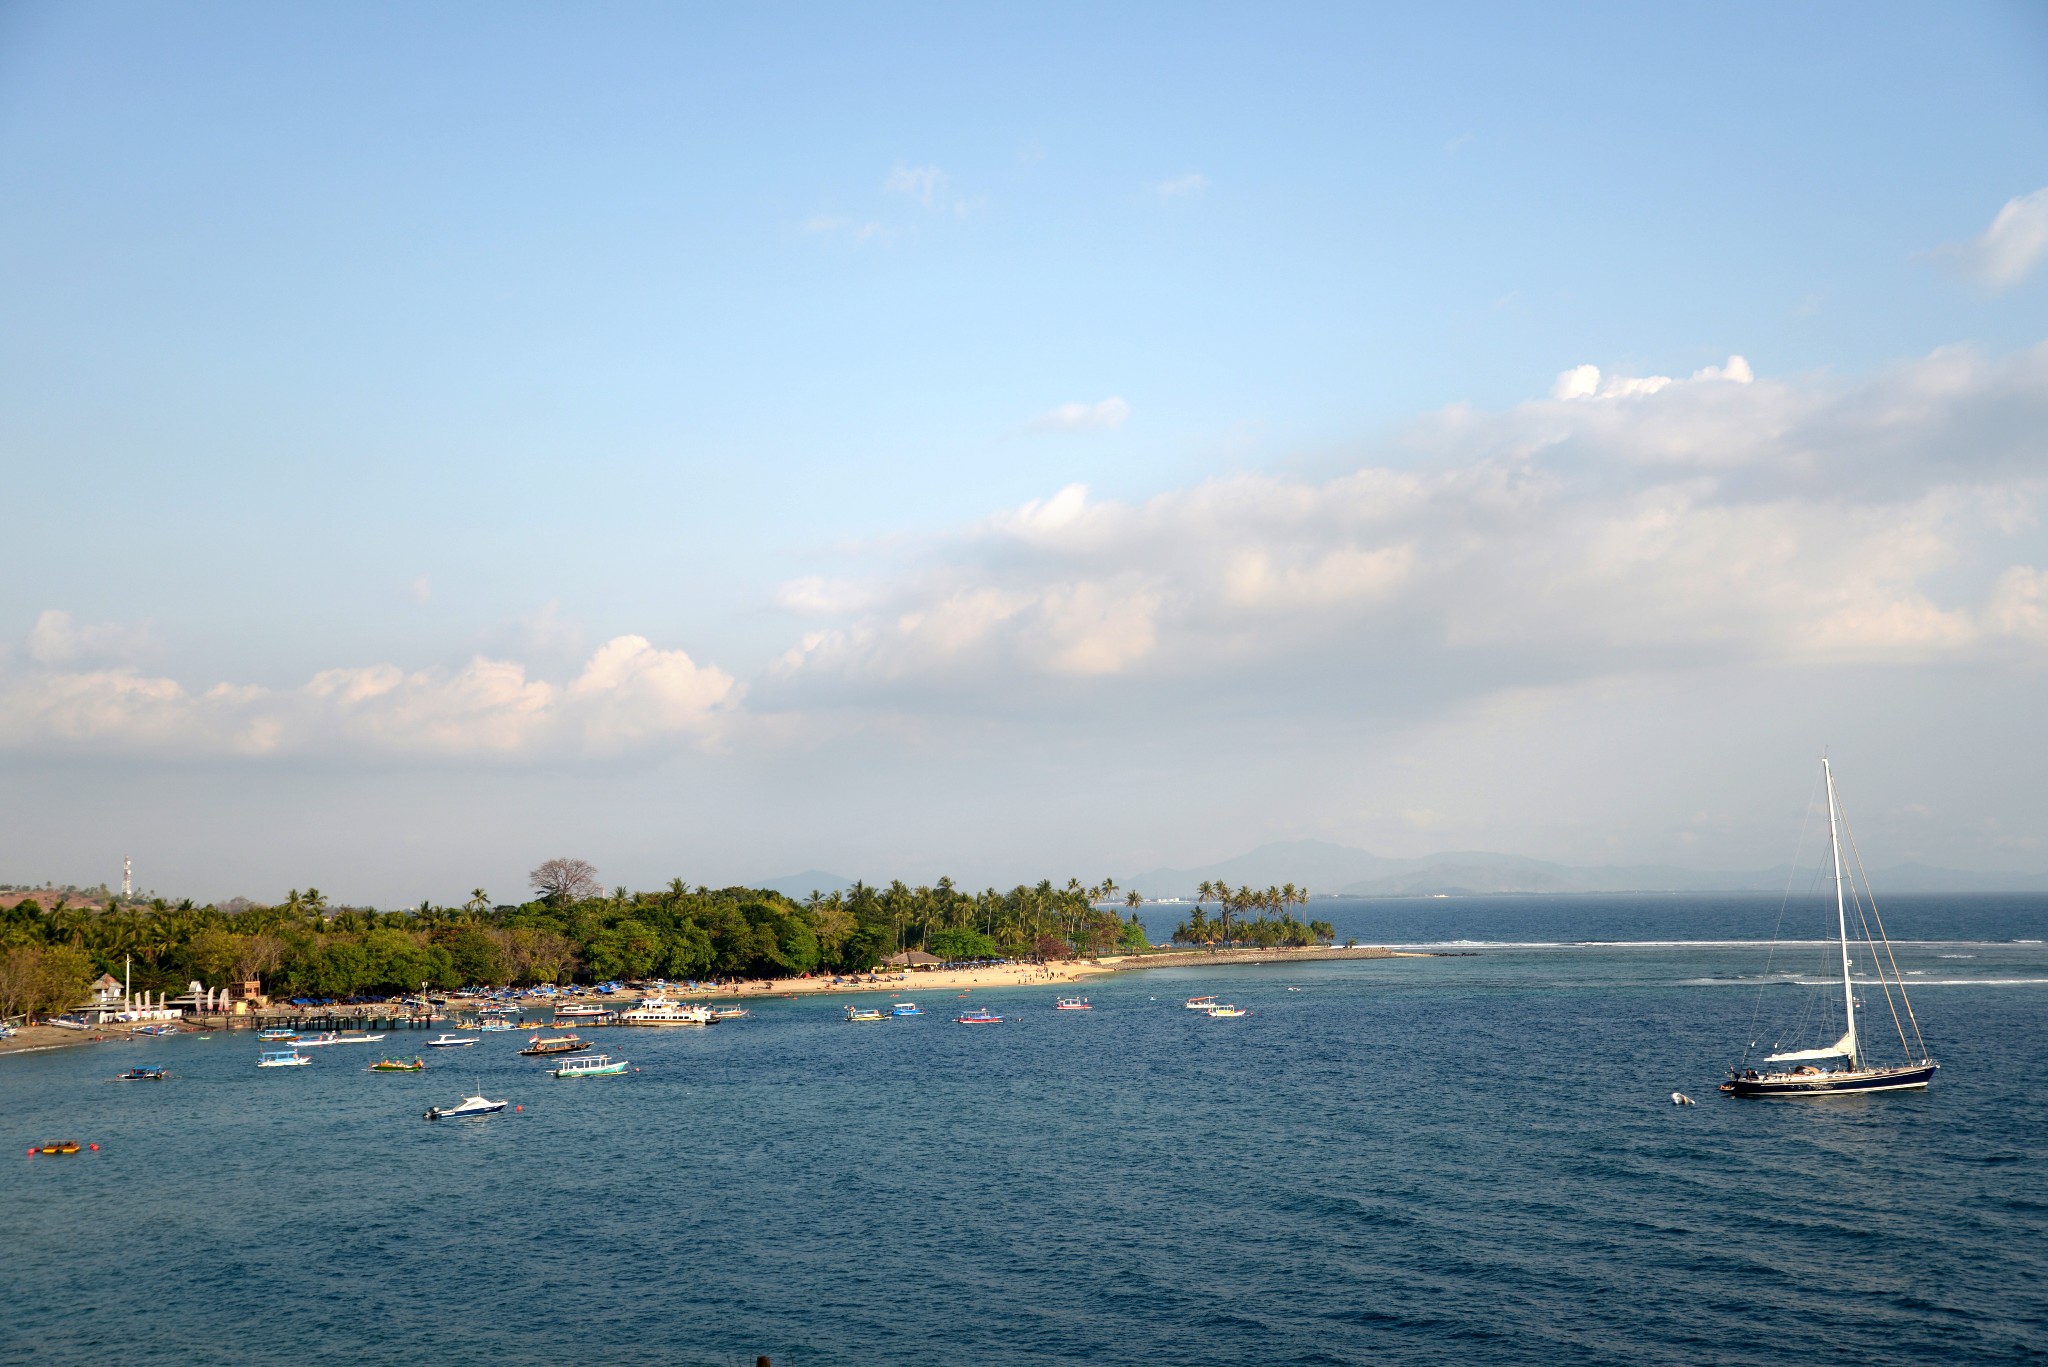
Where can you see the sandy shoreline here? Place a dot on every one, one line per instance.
(957, 982)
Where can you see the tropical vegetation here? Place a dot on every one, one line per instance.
(572, 930)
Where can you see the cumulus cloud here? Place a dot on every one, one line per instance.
(2008, 251)
(57, 639)
(1623, 523)
(1182, 186)
(1586, 381)
(628, 693)
(1106, 415)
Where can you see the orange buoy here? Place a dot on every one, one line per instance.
(95, 1148)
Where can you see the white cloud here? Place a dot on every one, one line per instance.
(1586, 381)
(923, 185)
(1107, 415)
(1183, 186)
(2008, 251)
(1625, 523)
(628, 692)
(56, 639)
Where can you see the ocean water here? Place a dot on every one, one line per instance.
(1468, 1159)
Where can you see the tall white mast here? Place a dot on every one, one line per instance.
(1841, 919)
(127, 877)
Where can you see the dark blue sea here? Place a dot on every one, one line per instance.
(1460, 1159)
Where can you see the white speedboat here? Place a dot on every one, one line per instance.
(469, 1105)
(450, 1042)
(329, 1037)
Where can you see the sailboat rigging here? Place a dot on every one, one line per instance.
(1855, 1071)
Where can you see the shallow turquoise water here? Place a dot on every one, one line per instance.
(1449, 1160)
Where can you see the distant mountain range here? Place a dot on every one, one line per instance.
(1327, 868)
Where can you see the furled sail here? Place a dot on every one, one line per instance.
(1845, 1047)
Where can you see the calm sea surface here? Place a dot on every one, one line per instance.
(1466, 1159)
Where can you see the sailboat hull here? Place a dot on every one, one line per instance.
(1832, 1084)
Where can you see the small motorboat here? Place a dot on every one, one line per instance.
(560, 1044)
(729, 1013)
(153, 1030)
(906, 1009)
(1199, 1003)
(1072, 1004)
(283, 1058)
(397, 1065)
(330, 1038)
(469, 1105)
(980, 1015)
(276, 1036)
(451, 1041)
(864, 1013)
(1225, 1011)
(596, 1065)
(144, 1075)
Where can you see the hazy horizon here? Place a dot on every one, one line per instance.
(725, 445)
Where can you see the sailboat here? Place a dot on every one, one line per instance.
(1854, 1069)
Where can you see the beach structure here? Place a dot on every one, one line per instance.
(914, 959)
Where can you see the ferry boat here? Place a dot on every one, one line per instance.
(560, 1044)
(980, 1015)
(906, 1009)
(661, 1011)
(597, 1065)
(1072, 1004)
(451, 1041)
(276, 1036)
(469, 1105)
(584, 1011)
(144, 1075)
(397, 1065)
(1855, 1069)
(1225, 1011)
(1199, 1003)
(282, 1058)
(864, 1013)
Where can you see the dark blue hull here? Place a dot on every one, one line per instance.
(1832, 1084)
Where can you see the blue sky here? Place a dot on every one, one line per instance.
(392, 339)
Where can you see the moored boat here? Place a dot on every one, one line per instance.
(469, 1105)
(560, 1044)
(397, 1065)
(864, 1013)
(1071, 1004)
(282, 1058)
(597, 1065)
(662, 1011)
(276, 1035)
(1855, 1069)
(979, 1015)
(1199, 1003)
(450, 1042)
(730, 1013)
(144, 1075)
(906, 1009)
(1225, 1011)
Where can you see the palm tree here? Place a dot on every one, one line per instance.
(1134, 899)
